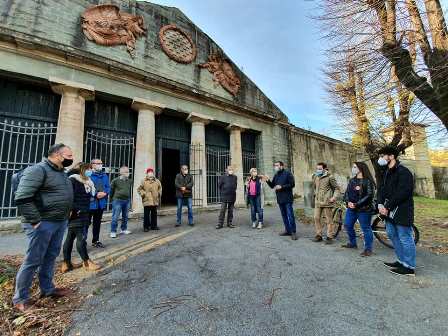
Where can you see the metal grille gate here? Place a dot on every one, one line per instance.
(196, 161)
(115, 150)
(23, 143)
(217, 161)
(249, 161)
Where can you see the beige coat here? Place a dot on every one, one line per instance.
(151, 191)
(325, 187)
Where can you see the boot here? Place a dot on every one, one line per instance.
(89, 265)
(66, 266)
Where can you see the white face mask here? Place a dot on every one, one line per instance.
(276, 168)
(230, 172)
(382, 161)
(150, 175)
(98, 167)
(355, 171)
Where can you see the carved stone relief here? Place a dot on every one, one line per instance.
(223, 73)
(177, 44)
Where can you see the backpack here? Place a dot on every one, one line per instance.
(15, 180)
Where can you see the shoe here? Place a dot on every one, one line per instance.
(192, 224)
(98, 244)
(25, 306)
(145, 230)
(294, 236)
(155, 228)
(89, 265)
(126, 232)
(260, 225)
(366, 253)
(392, 265)
(113, 235)
(284, 234)
(231, 226)
(66, 266)
(177, 225)
(219, 226)
(317, 239)
(58, 293)
(403, 271)
(254, 225)
(349, 246)
(328, 241)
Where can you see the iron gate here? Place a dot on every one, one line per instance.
(114, 149)
(249, 161)
(196, 161)
(23, 143)
(217, 161)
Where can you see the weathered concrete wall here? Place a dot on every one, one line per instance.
(57, 24)
(440, 177)
(309, 148)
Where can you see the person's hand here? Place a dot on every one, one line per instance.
(351, 205)
(383, 211)
(182, 188)
(332, 200)
(265, 178)
(35, 225)
(101, 194)
(277, 187)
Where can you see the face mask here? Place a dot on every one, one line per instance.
(276, 168)
(98, 167)
(124, 175)
(88, 173)
(67, 162)
(230, 172)
(355, 171)
(254, 175)
(185, 172)
(319, 172)
(382, 161)
(150, 175)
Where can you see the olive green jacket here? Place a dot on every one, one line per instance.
(325, 187)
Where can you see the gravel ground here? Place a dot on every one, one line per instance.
(253, 282)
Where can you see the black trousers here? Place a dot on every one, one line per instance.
(95, 217)
(229, 207)
(81, 245)
(149, 217)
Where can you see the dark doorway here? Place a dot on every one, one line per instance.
(170, 168)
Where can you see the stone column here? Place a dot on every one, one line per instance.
(236, 160)
(145, 148)
(198, 163)
(70, 129)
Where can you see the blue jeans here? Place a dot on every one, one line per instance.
(404, 245)
(288, 217)
(117, 207)
(255, 207)
(180, 203)
(365, 218)
(44, 245)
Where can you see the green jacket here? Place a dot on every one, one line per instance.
(120, 189)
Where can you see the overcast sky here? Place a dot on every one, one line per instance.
(277, 45)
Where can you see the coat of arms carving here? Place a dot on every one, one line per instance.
(108, 26)
(223, 73)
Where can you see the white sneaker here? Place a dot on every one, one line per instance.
(260, 225)
(254, 225)
(113, 235)
(126, 232)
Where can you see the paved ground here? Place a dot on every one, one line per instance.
(247, 282)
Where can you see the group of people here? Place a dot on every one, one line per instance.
(50, 199)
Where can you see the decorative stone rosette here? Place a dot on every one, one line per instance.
(177, 44)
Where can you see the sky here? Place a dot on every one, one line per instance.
(278, 46)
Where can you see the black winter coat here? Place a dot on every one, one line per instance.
(396, 190)
(286, 180)
(44, 195)
(184, 181)
(227, 186)
(364, 190)
(79, 216)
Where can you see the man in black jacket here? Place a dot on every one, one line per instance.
(283, 183)
(184, 193)
(44, 198)
(396, 206)
(227, 187)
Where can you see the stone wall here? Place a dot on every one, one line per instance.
(440, 176)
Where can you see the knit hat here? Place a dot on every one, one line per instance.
(149, 170)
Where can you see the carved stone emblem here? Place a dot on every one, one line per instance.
(223, 73)
(108, 26)
(177, 44)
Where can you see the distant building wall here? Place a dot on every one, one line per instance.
(440, 177)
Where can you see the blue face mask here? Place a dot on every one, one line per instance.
(319, 172)
(88, 173)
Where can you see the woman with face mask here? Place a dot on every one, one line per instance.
(253, 194)
(359, 200)
(150, 191)
(83, 190)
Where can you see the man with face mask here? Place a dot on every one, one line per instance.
(326, 190)
(227, 185)
(120, 195)
(396, 206)
(184, 194)
(44, 199)
(283, 183)
(99, 202)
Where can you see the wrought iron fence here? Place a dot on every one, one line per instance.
(196, 164)
(23, 143)
(249, 161)
(217, 161)
(114, 149)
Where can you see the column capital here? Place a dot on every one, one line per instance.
(197, 117)
(146, 104)
(236, 127)
(63, 86)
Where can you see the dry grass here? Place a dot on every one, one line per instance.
(48, 317)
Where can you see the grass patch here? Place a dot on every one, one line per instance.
(431, 218)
